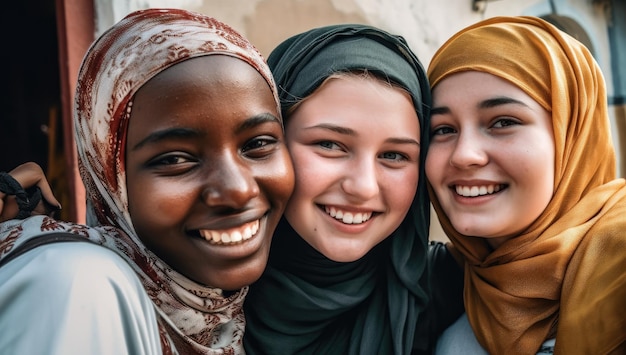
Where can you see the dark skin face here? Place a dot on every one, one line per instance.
(208, 174)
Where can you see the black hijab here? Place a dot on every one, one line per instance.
(305, 303)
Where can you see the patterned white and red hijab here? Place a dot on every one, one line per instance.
(193, 318)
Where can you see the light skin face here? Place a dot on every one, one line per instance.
(491, 159)
(355, 149)
(208, 174)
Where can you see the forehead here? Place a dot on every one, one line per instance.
(473, 85)
(204, 91)
(215, 70)
(365, 104)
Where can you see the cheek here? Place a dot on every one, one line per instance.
(533, 166)
(402, 188)
(158, 205)
(435, 164)
(541, 180)
(279, 178)
(309, 170)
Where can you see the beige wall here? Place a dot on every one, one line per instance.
(425, 24)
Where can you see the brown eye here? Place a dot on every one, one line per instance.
(169, 160)
(439, 131)
(505, 122)
(260, 146)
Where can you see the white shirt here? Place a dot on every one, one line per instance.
(74, 298)
(459, 338)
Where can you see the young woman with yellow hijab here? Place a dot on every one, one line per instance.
(522, 173)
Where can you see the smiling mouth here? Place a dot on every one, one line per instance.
(233, 235)
(476, 191)
(348, 217)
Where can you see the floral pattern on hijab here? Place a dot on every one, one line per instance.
(193, 318)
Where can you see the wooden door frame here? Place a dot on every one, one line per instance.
(75, 32)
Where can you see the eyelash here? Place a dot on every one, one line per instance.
(328, 145)
(509, 121)
(438, 131)
(169, 160)
(257, 147)
(259, 144)
(442, 130)
(331, 146)
(399, 156)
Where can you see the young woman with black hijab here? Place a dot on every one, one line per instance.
(348, 271)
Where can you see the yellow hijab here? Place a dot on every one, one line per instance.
(565, 275)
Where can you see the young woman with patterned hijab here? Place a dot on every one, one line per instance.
(180, 143)
(348, 271)
(522, 171)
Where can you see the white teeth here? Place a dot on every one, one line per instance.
(475, 191)
(247, 233)
(236, 236)
(215, 236)
(348, 217)
(233, 235)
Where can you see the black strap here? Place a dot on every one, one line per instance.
(26, 200)
(44, 239)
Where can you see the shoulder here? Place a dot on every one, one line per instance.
(444, 268)
(593, 294)
(459, 338)
(446, 288)
(67, 261)
(74, 295)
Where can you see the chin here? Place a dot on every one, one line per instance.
(337, 255)
(239, 276)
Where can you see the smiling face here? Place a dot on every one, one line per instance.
(491, 158)
(208, 174)
(354, 144)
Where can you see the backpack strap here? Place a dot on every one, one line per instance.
(44, 239)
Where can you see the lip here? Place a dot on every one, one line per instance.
(239, 234)
(238, 250)
(253, 218)
(351, 228)
(476, 191)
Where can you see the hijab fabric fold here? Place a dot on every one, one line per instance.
(193, 318)
(305, 303)
(565, 275)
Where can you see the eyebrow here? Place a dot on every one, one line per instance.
(187, 133)
(350, 132)
(338, 129)
(498, 101)
(489, 103)
(165, 134)
(257, 120)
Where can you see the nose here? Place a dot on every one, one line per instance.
(469, 151)
(361, 179)
(230, 183)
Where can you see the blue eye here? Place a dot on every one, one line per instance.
(328, 145)
(393, 156)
